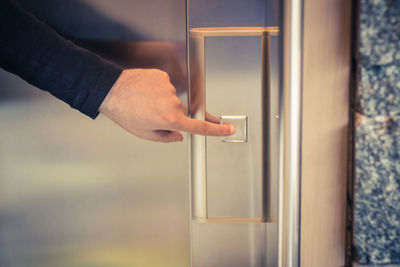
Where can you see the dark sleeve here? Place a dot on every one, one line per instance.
(37, 54)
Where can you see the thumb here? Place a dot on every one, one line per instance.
(167, 136)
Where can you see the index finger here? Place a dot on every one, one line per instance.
(204, 128)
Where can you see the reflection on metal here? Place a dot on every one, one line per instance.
(233, 31)
(272, 219)
(167, 56)
(197, 108)
(290, 138)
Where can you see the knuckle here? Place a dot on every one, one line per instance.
(177, 103)
(172, 119)
(172, 88)
(182, 107)
(163, 74)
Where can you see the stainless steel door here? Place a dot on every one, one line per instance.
(233, 77)
(79, 193)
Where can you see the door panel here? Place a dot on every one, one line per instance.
(74, 192)
(234, 184)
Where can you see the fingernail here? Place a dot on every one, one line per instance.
(232, 129)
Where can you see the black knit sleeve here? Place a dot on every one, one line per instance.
(36, 53)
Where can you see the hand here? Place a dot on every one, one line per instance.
(144, 102)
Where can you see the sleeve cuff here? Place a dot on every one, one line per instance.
(96, 95)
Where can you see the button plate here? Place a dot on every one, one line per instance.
(240, 123)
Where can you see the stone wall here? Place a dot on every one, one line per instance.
(377, 134)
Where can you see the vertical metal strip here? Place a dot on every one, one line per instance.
(290, 134)
(197, 142)
(266, 212)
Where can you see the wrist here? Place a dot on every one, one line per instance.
(105, 105)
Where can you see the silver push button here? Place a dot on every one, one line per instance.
(240, 123)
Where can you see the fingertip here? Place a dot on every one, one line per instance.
(205, 128)
(228, 129)
(232, 129)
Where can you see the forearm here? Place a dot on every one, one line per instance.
(37, 54)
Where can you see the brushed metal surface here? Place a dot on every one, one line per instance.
(226, 67)
(238, 238)
(290, 137)
(233, 86)
(226, 228)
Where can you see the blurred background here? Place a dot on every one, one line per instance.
(78, 192)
